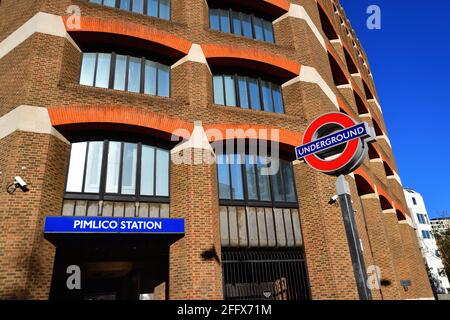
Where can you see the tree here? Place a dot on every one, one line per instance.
(443, 242)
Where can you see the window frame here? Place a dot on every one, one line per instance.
(145, 8)
(259, 80)
(102, 195)
(112, 71)
(231, 13)
(256, 203)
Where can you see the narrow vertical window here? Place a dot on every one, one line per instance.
(88, 69)
(162, 173)
(120, 72)
(93, 167)
(164, 9)
(214, 19)
(125, 4)
(259, 32)
(152, 8)
(129, 164)
(243, 93)
(236, 177)
(263, 179)
(76, 168)
(113, 167)
(150, 78)
(163, 80)
(147, 171)
(103, 69)
(237, 23)
(224, 177)
(230, 91)
(288, 178)
(277, 184)
(277, 99)
(218, 90)
(255, 101)
(268, 32)
(134, 75)
(252, 189)
(225, 21)
(247, 25)
(138, 6)
(267, 96)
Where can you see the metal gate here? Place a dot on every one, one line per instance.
(265, 275)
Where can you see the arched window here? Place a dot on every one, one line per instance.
(253, 180)
(117, 168)
(125, 73)
(242, 24)
(153, 8)
(247, 93)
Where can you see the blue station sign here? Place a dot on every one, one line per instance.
(332, 140)
(61, 224)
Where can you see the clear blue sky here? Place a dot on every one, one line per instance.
(410, 62)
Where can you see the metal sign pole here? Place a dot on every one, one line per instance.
(354, 244)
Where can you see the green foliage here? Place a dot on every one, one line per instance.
(443, 242)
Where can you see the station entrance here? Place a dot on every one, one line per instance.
(111, 267)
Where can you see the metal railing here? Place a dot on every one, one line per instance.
(265, 275)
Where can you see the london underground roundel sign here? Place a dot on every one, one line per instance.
(335, 144)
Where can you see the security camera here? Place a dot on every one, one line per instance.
(20, 183)
(333, 199)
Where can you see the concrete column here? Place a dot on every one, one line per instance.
(195, 260)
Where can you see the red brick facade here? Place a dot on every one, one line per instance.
(43, 71)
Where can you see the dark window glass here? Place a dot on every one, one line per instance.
(223, 177)
(255, 100)
(258, 25)
(253, 176)
(237, 23)
(218, 90)
(120, 171)
(249, 92)
(153, 79)
(277, 99)
(268, 31)
(153, 8)
(103, 68)
(214, 19)
(267, 96)
(225, 21)
(252, 189)
(243, 93)
(246, 25)
(230, 91)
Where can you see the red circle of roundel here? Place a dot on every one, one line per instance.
(349, 151)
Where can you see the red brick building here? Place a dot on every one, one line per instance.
(95, 97)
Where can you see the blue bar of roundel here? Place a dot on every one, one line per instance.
(61, 224)
(300, 156)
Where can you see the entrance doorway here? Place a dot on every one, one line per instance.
(111, 268)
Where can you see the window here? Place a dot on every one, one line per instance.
(125, 73)
(244, 179)
(422, 218)
(241, 24)
(426, 234)
(109, 169)
(247, 92)
(414, 201)
(154, 8)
